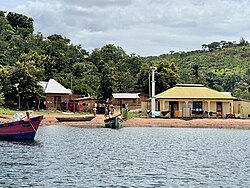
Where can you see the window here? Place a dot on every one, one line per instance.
(197, 107)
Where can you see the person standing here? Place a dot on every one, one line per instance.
(106, 110)
(112, 110)
(94, 110)
(125, 111)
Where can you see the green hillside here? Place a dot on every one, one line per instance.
(223, 69)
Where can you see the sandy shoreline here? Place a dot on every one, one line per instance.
(98, 121)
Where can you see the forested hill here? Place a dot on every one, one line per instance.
(27, 58)
(224, 68)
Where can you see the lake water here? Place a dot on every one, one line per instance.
(66, 156)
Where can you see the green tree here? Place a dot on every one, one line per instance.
(118, 70)
(83, 89)
(213, 46)
(6, 33)
(64, 54)
(106, 83)
(25, 76)
(196, 73)
(213, 81)
(243, 41)
(166, 76)
(230, 82)
(143, 79)
(21, 24)
(87, 74)
(4, 79)
(242, 91)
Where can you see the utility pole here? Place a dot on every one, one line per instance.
(71, 75)
(149, 85)
(153, 91)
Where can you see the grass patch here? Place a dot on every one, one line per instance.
(134, 115)
(8, 111)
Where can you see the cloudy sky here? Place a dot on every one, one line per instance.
(144, 27)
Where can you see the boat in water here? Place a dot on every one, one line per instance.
(75, 118)
(113, 122)
(21, 129)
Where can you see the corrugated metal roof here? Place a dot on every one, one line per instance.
(192, 92)
(55, 87)
(43, 84)
(126, 95)
(227, 93)
(83, 98)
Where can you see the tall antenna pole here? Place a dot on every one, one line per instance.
(149, 85)
(153, 91)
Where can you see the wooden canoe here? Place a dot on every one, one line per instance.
(75, 118)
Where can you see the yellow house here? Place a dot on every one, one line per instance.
(194, 100)
(242, 107)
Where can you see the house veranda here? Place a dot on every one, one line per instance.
(194, 100)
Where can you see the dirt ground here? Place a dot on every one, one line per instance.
(98, 121)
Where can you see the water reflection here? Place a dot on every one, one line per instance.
(65, 156)
(10, 142)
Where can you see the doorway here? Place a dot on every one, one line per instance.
(219, 107)
(159, 106)
(173, 106)
(57, 102)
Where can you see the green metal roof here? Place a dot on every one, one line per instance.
(192, 91)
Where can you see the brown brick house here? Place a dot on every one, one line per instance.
(55, 93)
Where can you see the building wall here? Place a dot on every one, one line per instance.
(212, 106)
(145, 106)
(243, 108)
(51, 104)
(142, 97)
(185, 107)
(130, 102)
(227, 108)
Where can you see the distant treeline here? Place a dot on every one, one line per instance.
(27, 57)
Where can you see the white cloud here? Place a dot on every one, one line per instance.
(145, 27)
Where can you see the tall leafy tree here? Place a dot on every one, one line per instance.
(86, 73)
(118, 69)
(63, 53)
(6, 33)
(196, 73)
(106, 84)
(21, 24)
(5, 84)
(24, 76)
(166, 76)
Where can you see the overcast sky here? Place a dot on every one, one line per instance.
(144, 27)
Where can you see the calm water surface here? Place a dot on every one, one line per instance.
(64, 156)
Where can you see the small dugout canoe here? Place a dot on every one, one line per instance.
(75, 118)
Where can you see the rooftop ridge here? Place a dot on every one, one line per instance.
(190, 85)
